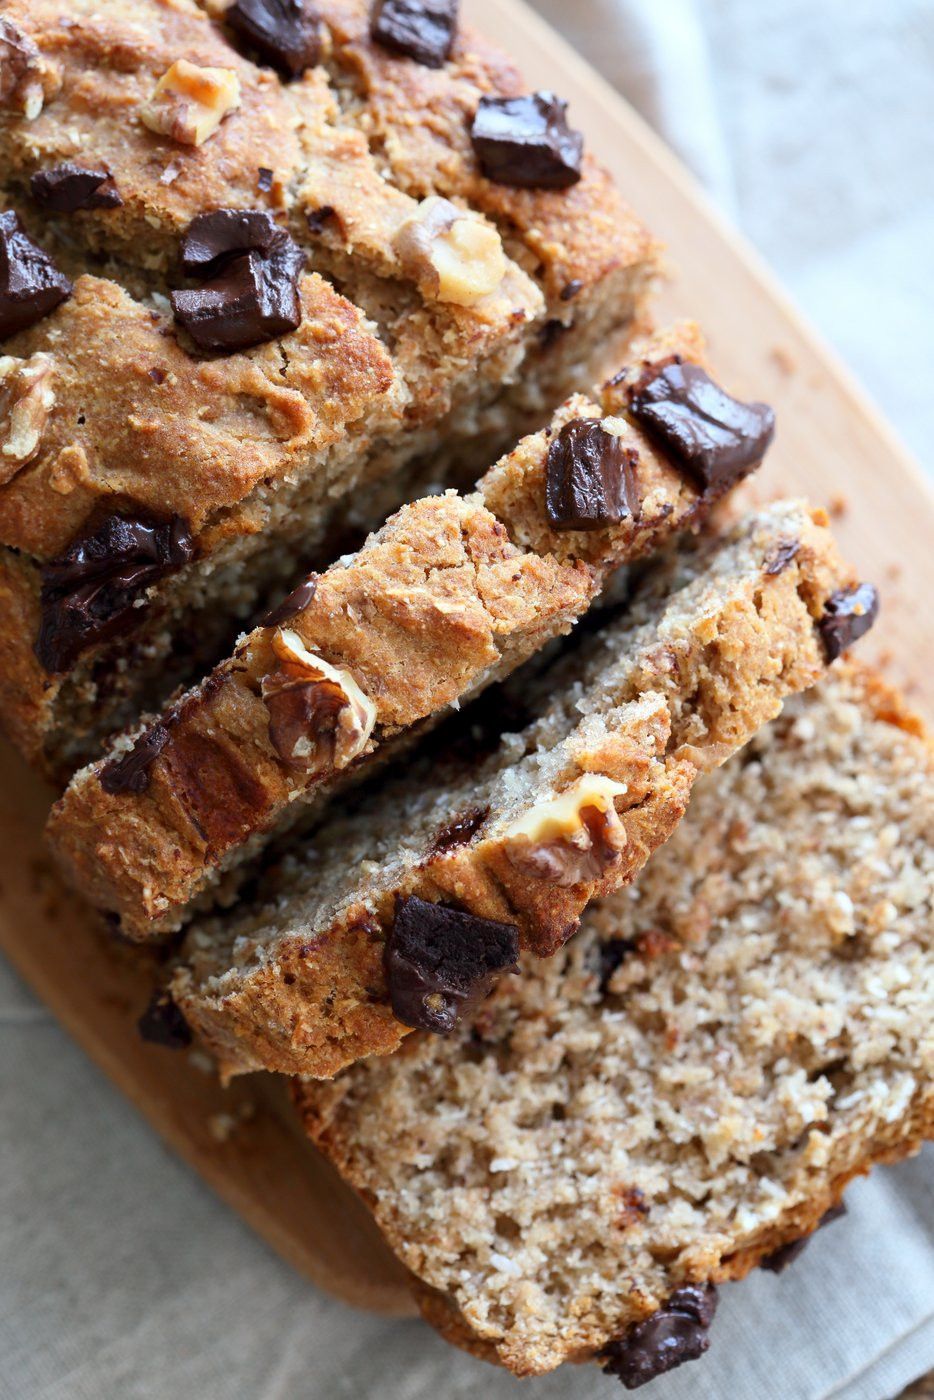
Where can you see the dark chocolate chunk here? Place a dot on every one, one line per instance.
(589, 478)
(526, 141)
(848, 615)
(68, 187)
(612, 954)
(30, 284)
(441, 963)
(162, 1023)
(316, 219)
(676, 1333)
(291, 606)
(265, 178)
(213, 239)
(569, 292)
(253, 298)
(90, 592)
(458, 832)
(777, 1262)
(130, 772)
(716, 437)
(419, 29)
(781, 557)
(286, 33)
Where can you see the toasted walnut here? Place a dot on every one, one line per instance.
(576, 836)
(27, 79)
(26, 400)
(452, 254)
(190, 103)
(319, 718)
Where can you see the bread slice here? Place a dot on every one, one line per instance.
(452, 594)
(340, 959)
(688, 1086)
(112, 418)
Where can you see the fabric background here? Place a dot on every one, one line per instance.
(121, 1277)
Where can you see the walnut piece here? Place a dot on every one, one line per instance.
(190, 103)
(452, 254)
(26, 400)
(319, 718)
(27, 79)
(574, 837)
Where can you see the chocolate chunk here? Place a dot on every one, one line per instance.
(460, 831)
(316, 219)
(419, 29)
(589, 478)
(30, 284)
(90, 592)
(716, 437)
(287, 33)
(162, 1023)
(68, 187)
(676, 1333)
(526, 141)
(612, 954)
(848, 615)
(130, 772)
(781, 557)
(296, 602)
(304, 716)
(777, 1262)
(570, 291)
(254, 298)
(551, 332)
(265, 178)
(212, 239)
(441, 963)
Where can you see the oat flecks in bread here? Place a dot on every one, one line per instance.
(568, 810)
(692, 1081)
(460, 364)
(452, 594)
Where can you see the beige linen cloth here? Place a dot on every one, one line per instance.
(121, 1276)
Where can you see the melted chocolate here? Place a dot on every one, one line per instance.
(130, 772)
(30, 284)
(286, 33)
(420, 29)
(589, 478)
(848, 615)
(89, 593)
(460, 831)
(526, 141)
(69, 187)
(441, 963)
(676, 1333)
(297, 601)
(717, 438)
(781, 557)
(252, 299)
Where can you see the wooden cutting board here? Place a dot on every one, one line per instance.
(832, 446)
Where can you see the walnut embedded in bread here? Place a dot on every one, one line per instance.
(319, 718)
(452, 254)
(573, 837)
(27, 397)
(189, 102)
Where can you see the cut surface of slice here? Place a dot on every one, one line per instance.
(687, 1087)
(563, 812)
